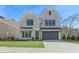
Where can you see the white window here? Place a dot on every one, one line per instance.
(49, 22)
(26, 34)
(29, 22)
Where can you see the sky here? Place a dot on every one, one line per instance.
(17, 11)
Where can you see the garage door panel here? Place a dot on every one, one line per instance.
(50, 35)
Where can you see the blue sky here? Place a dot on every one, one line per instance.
(17, 11)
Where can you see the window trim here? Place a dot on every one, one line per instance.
(50, 22)
(29, 20)
(24, 33)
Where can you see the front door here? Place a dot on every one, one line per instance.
(37, 34)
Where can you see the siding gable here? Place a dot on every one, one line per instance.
(54, 13)
(30, 15)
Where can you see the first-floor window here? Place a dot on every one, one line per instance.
(26, 34)
(22, 34)
(29, 33)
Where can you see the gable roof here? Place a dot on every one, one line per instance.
(29, 12)
(51, 8)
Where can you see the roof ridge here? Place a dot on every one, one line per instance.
(2, 17)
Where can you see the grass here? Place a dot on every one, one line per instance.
(29, 44)
(74, 41)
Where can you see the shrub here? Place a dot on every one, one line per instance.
(72, 38)
(68, 37)
(12, 38)
(0, 38)
(78, 38)
(63, 37)
(33, 38)
(9, 37)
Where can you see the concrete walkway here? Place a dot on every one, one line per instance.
(21, 50)
(50, 47)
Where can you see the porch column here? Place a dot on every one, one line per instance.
(59, 36)
(33, 34)
(40, 35)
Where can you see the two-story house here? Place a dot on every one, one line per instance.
(46, 27)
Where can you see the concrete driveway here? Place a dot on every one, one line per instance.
(61, 47)
(50, 47)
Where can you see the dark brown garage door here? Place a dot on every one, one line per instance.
(49, 35)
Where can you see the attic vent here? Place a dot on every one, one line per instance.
(49, 12)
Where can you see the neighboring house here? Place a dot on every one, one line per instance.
(46, 27)
(8, 28)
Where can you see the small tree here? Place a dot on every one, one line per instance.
(71, 23)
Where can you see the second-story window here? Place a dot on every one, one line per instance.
(49, 22)
(29, 22)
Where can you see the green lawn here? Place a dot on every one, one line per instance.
(75, 41)
(30, 44)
